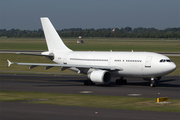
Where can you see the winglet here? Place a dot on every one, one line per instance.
(9, 63)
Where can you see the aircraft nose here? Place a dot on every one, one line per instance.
(169, 68)
(173, 66)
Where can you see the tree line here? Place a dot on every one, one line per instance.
(126, 32)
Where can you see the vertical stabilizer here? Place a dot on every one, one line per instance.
(53, 40)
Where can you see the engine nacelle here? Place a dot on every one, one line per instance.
(100, 76)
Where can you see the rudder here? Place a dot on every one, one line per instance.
(53, 40)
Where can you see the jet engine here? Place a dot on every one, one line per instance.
(100, 76)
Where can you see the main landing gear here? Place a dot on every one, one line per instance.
(88, 82)
(121, 81)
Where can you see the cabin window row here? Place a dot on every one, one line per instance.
(89, 59)
(129, 60)
(133, 60)
(117, 60)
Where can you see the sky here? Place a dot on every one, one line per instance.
(64, 14)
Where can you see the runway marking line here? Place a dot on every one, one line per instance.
(86, 92)
(134, 95)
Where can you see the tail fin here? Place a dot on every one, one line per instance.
(53, 40)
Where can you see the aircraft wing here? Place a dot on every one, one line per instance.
(32, 65)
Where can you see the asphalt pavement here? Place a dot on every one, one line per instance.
(73, 84)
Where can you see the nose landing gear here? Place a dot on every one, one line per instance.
(155, 81)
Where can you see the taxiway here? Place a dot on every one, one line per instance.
(73, 84)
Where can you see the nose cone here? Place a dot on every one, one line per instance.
(171, 67)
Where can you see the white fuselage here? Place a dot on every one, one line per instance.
(134, 64)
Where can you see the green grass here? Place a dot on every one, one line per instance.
(111, 102)
(151, 46)
(96, 44)
(176, 60)
(23, 44)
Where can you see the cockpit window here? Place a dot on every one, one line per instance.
(165, 60)
(161, 60)
(168, 61)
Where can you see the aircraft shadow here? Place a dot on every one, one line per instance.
(66, 82)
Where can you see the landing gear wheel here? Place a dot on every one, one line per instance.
(152, 84)
(121, 81)
(88, 82)
(124, 82)
(118, 82)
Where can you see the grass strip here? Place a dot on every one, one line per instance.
(97, 101)
(95, 44)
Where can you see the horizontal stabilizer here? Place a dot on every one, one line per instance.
(9, 63)
(51, 55)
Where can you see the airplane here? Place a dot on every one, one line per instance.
(100, 66)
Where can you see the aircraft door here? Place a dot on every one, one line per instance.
(65, 59)
(109, 62)
(148, 61)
